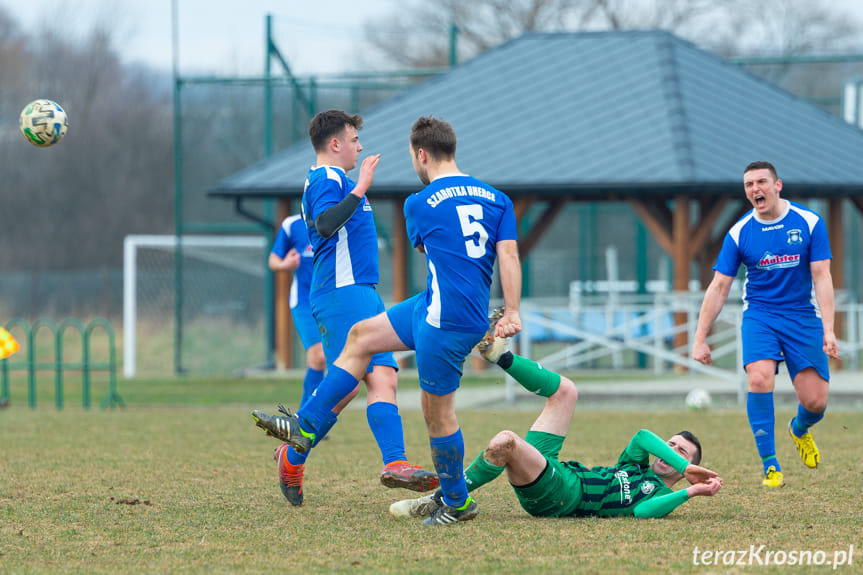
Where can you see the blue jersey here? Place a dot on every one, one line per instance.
(351, 255)
(458, 220)
(776, 255)
(293, 234)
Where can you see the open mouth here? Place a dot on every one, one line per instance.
(759, 201)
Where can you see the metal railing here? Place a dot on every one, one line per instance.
(31, 364)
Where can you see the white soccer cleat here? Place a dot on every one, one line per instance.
(419, 507)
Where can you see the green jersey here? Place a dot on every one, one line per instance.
(619, 490)
(569, 488)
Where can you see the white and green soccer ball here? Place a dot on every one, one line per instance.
(43, 123)
(698, 399)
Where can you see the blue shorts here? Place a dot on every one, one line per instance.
(338, 310)
(440, 354)
(797, 340)
(306, 325)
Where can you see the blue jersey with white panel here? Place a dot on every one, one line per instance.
(351, 255)
(459, 220)
(293, 234)
(776, 255)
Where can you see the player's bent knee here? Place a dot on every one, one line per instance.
(567, 391)
(501, 447)
(814, 404)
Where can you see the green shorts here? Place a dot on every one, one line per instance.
(557, 491)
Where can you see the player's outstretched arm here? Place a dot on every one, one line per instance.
(714, 299)
(822, 283)
(510, 281)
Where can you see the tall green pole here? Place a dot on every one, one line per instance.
(269, 295)
(178, 197)
(453, 45)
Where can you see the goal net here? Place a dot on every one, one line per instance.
(219, 302)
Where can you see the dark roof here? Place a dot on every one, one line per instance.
(597, 115)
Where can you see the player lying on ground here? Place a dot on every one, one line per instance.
(548, 487)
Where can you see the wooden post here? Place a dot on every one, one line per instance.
(399, 238)
(680, 255)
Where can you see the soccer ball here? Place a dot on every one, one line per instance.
(698, 399)
(43, 123)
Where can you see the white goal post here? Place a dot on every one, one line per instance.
(214, 250)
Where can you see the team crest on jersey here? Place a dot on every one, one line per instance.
(647, 487)
(795, 237)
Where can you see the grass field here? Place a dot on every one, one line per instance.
(182, 482)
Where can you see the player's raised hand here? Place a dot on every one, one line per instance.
(697, 474)
(367, 175)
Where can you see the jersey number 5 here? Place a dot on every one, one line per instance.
(468, 217)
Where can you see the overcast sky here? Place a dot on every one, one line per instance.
(226, 37)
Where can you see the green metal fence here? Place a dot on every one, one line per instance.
(31, 364)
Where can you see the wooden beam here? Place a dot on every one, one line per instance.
(283, 323)
(680, 256)
(858, 202)
(401, 251)
(657, 219)
(520, 207)
(709, 212)
(526, 244)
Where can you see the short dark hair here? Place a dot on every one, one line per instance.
(762, 165)
(327, 124)
(434, 136)
(690, 437)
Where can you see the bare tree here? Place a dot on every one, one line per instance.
(418, 36)
(69, 206)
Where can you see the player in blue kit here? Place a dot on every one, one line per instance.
(345, 272)
(292, 252)
(462, 225)
(786, 253)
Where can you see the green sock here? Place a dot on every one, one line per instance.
(481, 472)
(533, 377)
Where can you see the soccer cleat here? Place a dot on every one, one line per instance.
(492, 347)
(286, 428)
(403, 474)
(290, 476)
(419, 507)
(773, 478)
(446, 515)
(806, 448)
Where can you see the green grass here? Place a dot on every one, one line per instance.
(182, 481)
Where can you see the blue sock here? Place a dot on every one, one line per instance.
(300, 458)
(448, 457)
(804, 420)
(762, 420)
(336, 386)
(386, 425)
(310, 383)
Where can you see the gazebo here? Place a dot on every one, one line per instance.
(640, 117)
